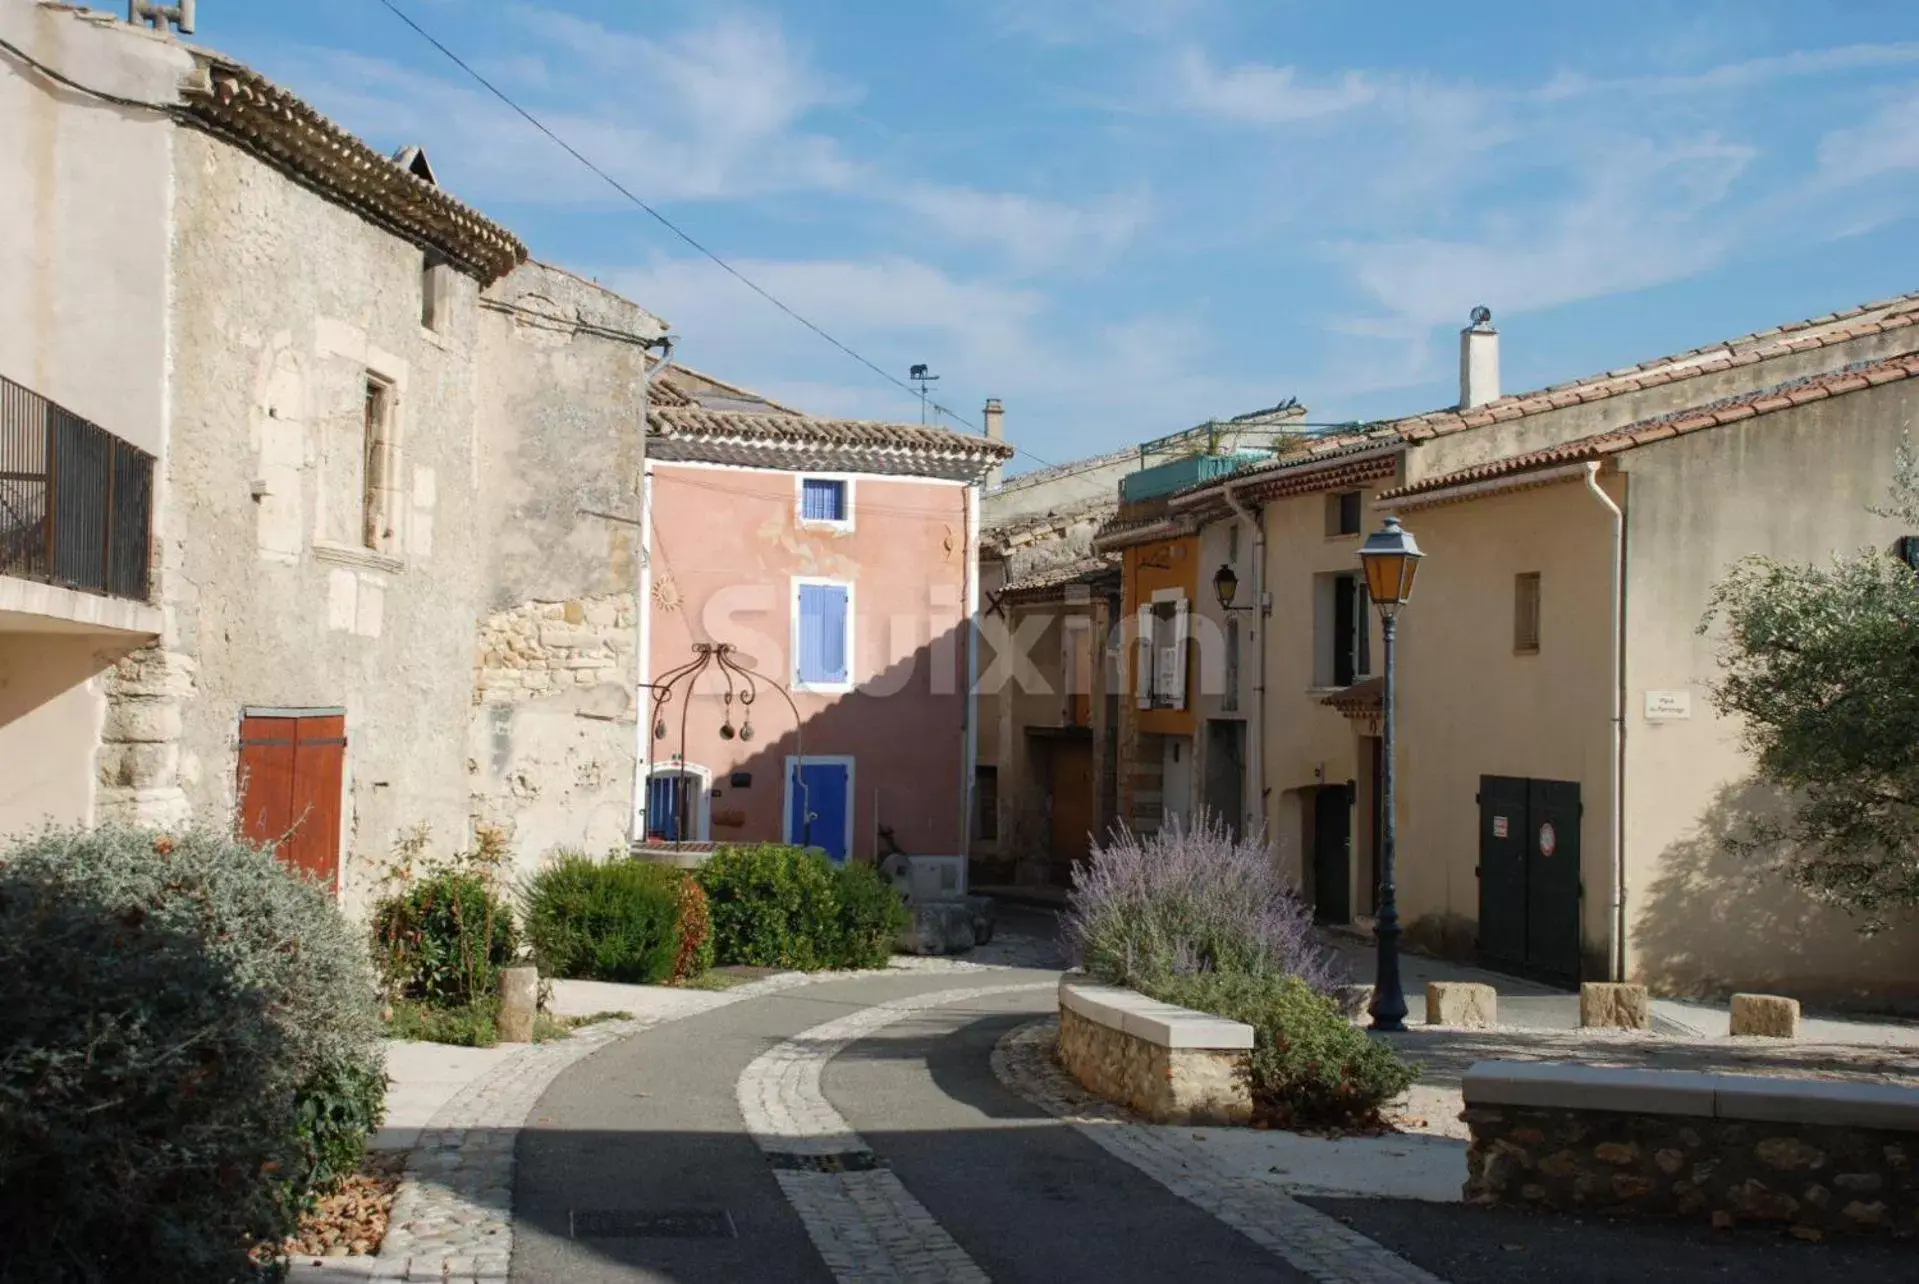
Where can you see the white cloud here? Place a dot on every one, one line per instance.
(1032, 233)
(1075, 22)
(1888, 142)
(1256, 94)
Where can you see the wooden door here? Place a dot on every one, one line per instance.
(1332, 854)
(292, 768)
(1074, 800)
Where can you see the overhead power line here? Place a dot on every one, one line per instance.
(668, 223)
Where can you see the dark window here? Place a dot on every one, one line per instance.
(1343, 513)
(1229, 698)
(1526, 613)
(1352, 634)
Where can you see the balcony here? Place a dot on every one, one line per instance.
(76, 515)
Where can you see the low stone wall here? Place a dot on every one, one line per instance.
(1830, 1157)
(1171, 1064)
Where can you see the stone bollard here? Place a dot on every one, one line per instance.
(1614, 1006)
(1465, 1004)
(1765, 1015)
(1354, 1000)
(519, 999)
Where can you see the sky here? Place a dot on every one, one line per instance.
(1126, 217)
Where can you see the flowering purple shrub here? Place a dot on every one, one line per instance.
(1187, 901)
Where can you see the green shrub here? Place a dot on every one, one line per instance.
(1310, 1065)
(188, 1044)
(789, 907)
(770, 904)
(870, 918)
(695, 956)
(444, 938)
(471, 1025)
(613, 920)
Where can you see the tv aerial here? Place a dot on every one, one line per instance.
(922, 375)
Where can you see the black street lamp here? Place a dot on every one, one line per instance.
(1391, 558)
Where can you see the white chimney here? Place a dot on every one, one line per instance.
(1478, 361)
(995, 431)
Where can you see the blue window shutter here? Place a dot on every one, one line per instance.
(663, 807)
(822, 655)
(834, 650)
(822, 499)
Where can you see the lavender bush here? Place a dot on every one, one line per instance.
(1187, 901)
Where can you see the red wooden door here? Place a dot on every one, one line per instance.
(292, 765)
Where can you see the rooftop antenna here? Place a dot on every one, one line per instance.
(921, 375)
(150, 13)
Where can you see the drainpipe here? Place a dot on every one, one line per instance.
(1616, 962)
(1256, 748)
(643, 614)
(969, 711)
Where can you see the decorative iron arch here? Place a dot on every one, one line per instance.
(743, 687)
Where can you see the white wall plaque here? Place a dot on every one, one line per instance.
(1668, 706)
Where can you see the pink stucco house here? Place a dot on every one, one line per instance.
(837, 559)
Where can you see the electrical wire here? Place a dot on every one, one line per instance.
(59, 78)
(669, 224)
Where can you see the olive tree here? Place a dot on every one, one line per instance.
(1821, 664)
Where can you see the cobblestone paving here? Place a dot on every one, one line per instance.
(452, 1219)
(1006, 949)
(866, 1224)
(1304, 1238)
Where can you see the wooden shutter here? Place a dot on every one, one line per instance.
(1182, 630)
(292, 770)
(823, 633)
(1143, 660)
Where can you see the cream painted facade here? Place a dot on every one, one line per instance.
(1474, 704)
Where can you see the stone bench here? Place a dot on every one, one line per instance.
(1171, 1064)
(1814, 1153)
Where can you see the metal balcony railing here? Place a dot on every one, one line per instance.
(76, 502)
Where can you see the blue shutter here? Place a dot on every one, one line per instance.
(822, 655)
(822, 499)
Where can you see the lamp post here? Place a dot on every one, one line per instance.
(1391, 558)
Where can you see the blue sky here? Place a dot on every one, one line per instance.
(1126, 216)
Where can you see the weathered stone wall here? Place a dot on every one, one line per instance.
(1167, 1085)
(1824, 1177)
(550, 749)
(561, 445)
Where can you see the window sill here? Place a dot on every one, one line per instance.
(820, 524)
(364, 559)
(1525, 650)
(823, 688)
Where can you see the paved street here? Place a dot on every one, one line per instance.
(909, 1125)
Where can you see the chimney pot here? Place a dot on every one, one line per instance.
(995, 418)
(1478, 360)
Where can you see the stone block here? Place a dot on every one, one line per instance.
(1609, 1005)
(1465, 1004)
(938, 927)
(1353, 1000)
(1767, 1016)
(519, 1000)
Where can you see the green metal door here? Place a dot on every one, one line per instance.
(1552, 881)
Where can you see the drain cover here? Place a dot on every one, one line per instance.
(846, 1161)
(653, 1223)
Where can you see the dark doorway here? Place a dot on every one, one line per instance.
(1374, 757)
(1332, 854)
(1226, 772)
(1529, 885)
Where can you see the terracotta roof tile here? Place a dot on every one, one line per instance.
(1732, 410)
(735, 436)
(1084, 570)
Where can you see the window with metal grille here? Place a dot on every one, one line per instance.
(1229, 698)
(823, 499)
(1526, 613)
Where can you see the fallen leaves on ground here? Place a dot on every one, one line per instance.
(351, 1221)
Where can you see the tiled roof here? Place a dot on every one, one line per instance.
(238, 104)
(793, 441)
(1084, 570)
(1031, 528)
(1730, 410)
(1798, 336)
